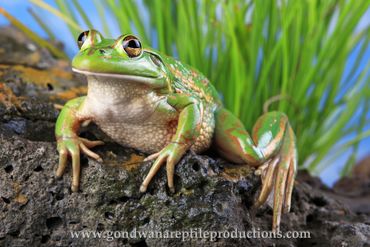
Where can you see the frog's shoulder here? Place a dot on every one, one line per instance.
(189, 80)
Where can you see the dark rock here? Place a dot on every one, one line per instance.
(17, 49)
(36, 209)
(354, 190)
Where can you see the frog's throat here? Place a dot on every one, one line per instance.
(123, 77)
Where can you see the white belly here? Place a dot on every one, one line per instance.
(141, 123)
(149, 136)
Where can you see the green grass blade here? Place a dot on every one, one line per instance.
(57, 13)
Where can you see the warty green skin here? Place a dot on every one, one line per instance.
(163, 107)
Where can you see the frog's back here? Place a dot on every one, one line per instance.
(190, 81)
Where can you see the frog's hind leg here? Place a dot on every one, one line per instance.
(280, 172)
(271, 147)
(235, 144)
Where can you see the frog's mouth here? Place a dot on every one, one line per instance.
(123, 77)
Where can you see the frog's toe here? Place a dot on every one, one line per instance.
(289, 186)
(268, 176)
(76, 168)
(91, 144)
(170, 173)
(261, 170)
(58, 107)
(152, 156)
(86, 123)
(63, 155)
(153, 170)
(90, 153)
(279, 192)
(75, 187)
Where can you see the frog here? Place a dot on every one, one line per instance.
(153, 103)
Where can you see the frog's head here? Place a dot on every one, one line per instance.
(123, 58)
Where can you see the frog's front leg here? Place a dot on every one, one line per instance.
(188, 128)
(271, 147)
(69, 143)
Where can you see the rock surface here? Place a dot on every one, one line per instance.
(36, 209)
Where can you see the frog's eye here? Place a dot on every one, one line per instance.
(132, 46)
(82, 38)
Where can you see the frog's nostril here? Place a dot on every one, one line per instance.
(102, 51)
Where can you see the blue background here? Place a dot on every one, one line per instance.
(18, 8)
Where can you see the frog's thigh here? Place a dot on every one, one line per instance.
(230, 137)
(269, 132)
(234, 143)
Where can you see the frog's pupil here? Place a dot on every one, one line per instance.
(133, 43)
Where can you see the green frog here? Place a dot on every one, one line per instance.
(160, 106)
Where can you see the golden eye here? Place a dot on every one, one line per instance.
(82, 38)
(132, 46)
